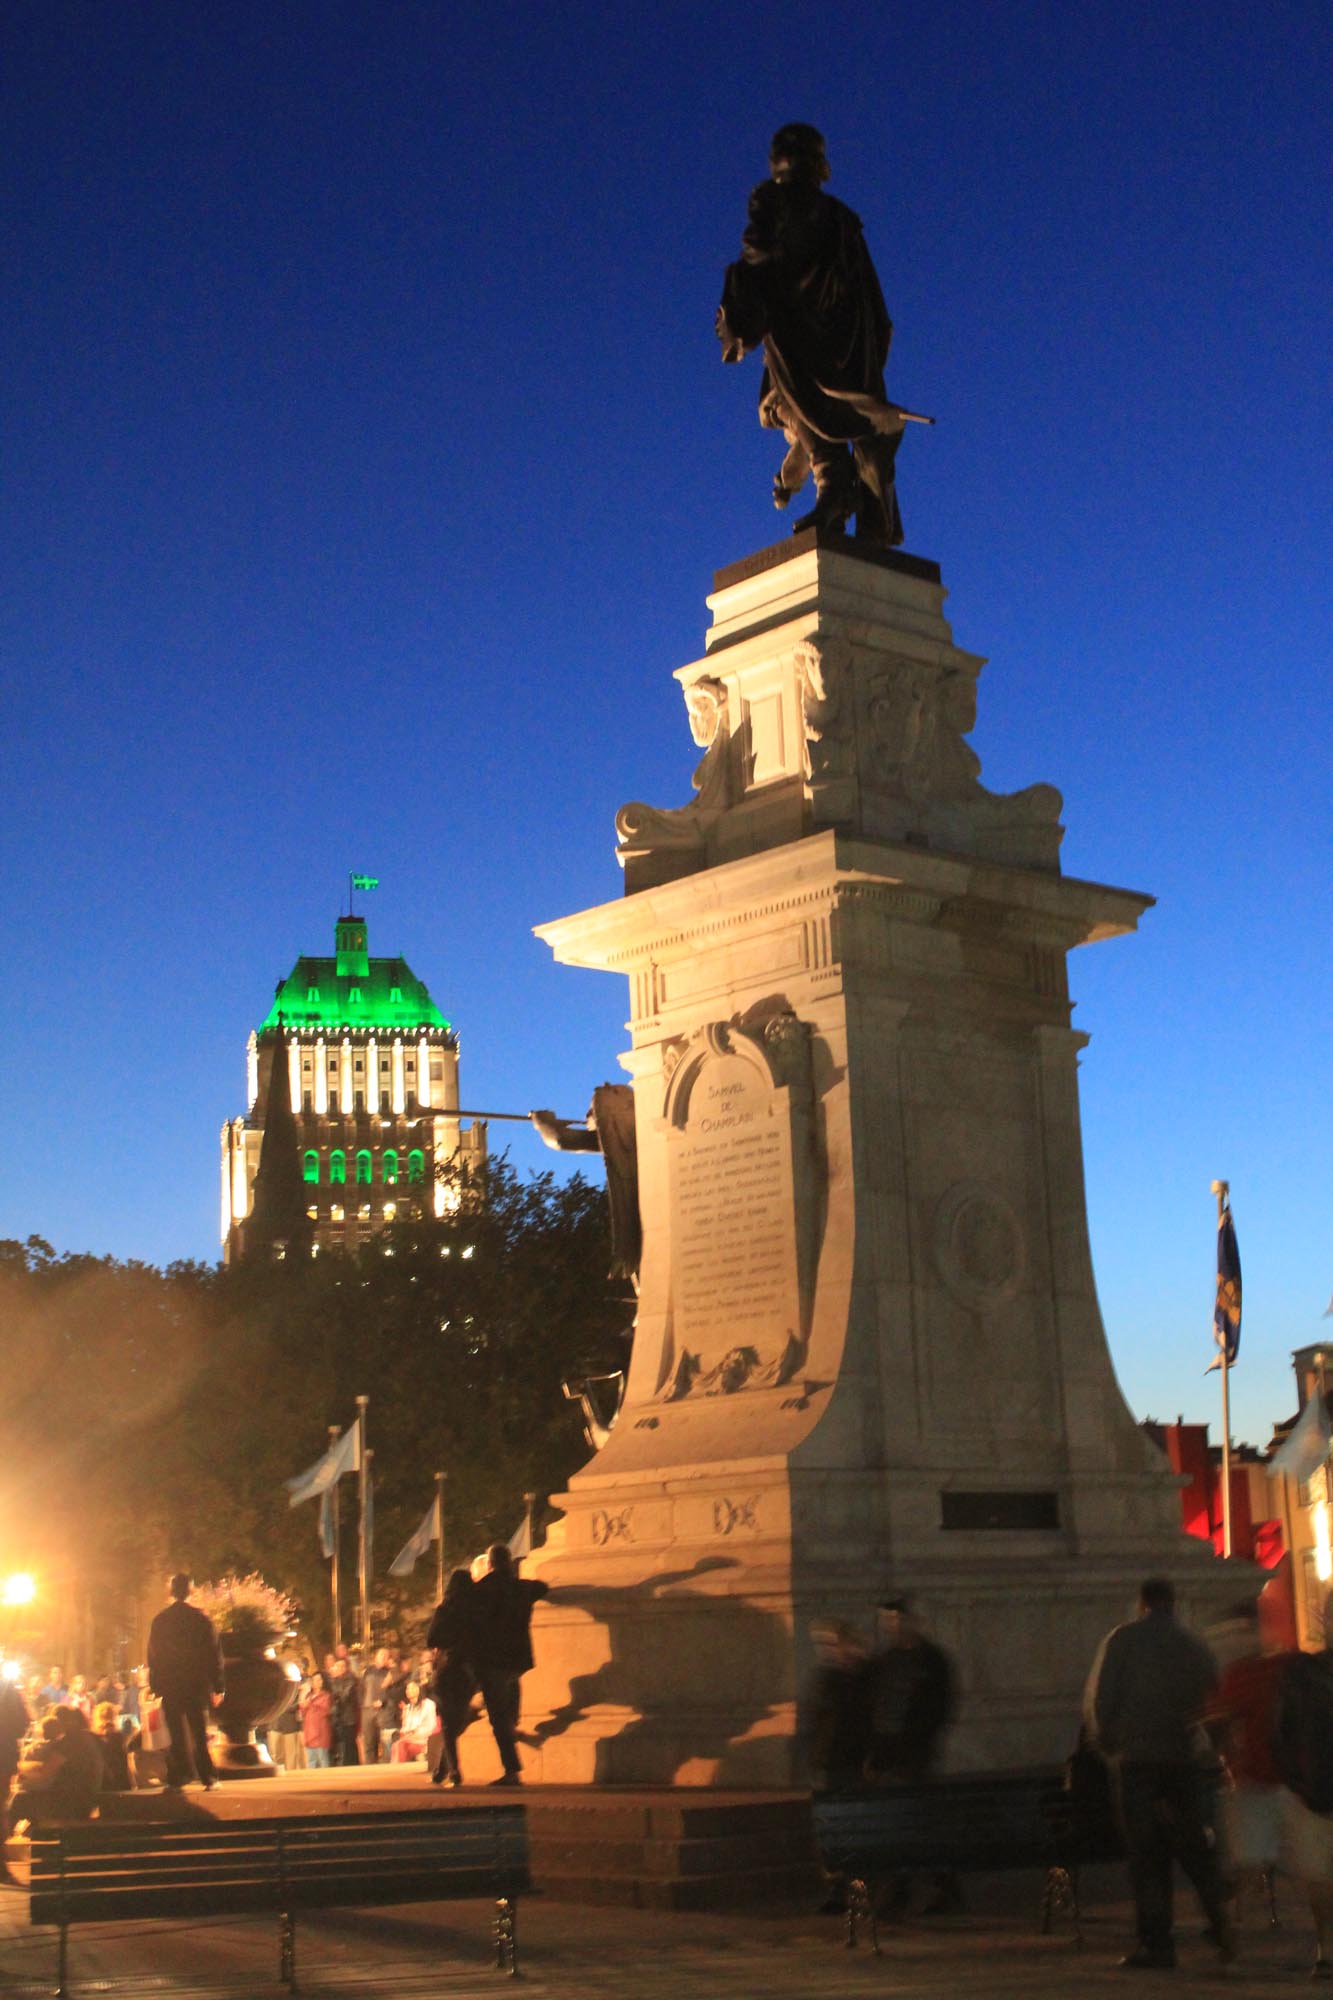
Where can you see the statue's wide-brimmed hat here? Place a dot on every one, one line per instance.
(798, 142)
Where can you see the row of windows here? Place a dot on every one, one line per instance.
(359, 1100)
(364, 1166)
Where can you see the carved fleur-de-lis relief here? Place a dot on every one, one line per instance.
(824, 669)
(728, 1515)
(608, 1527)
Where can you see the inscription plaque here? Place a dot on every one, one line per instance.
(736, 1303)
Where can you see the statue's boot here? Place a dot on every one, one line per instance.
(835, 492)
(877, 517)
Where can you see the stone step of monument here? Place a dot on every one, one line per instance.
(672, 1850)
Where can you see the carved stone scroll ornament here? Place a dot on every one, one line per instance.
(824, 668)
(641, 828)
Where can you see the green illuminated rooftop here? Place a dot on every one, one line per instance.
(353, 990)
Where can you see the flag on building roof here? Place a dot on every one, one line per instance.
(418, 1542)
(365, 881)
(343, 1455)
(1301, 1454)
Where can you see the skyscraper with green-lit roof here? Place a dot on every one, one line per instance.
(372, 1066)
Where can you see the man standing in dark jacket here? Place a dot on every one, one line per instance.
(502, 1610)
(1144, 1701)
(185, 1670)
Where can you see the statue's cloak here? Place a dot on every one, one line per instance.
(806, 288)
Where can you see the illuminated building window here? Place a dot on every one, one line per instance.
(354, 996)
(396, 994)
(390, 1166)
(364, 1174)
(336, 1213)
(358, 1064)
(384, 1065)
(313, 1213)
(306, 1063)
(312, 995)
(390, 1210)
(338, 1166)
(310, 1166)
(363, 1213)
(416, 1164)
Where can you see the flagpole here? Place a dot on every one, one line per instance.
(1222, 1189)
(335, 1508)
(529, 1502)
(440, 1478)
(363, 1483)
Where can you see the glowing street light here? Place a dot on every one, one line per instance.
(18, 1589)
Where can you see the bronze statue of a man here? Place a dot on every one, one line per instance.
(805, 287)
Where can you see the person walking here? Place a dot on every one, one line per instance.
(185, 1669)
(502, 1646)
(451, 1636)
(1143, 1707)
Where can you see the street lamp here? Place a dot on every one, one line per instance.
(17, 1590)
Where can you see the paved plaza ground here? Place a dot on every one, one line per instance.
(573, 1952)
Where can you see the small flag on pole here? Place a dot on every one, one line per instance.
(417, 1543)
(1302, 1453)
(520, 1542)
(365, 881)
(343, 1455)
(1226, 1313)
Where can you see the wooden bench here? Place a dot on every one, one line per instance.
(1000, 1820)
(109, 1871)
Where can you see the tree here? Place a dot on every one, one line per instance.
(153, 1414)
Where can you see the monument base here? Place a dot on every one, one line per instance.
(868, 1357)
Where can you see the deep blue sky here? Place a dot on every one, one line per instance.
(367, 457)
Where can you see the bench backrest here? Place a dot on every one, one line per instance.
(113, 1869)
(1002, 1820)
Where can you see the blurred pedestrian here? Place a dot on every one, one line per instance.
(114, 1747)
(912, 1703)
(1303, 1755)
(838, 1707)
(1143, 1707)
(60, 1777)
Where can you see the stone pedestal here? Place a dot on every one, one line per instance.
(868, 1354)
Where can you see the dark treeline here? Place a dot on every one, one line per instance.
(150, 1417)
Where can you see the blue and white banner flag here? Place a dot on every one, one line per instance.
(417, 1543)
(520, 1542)
(343, 1455)
(1301, 1454)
